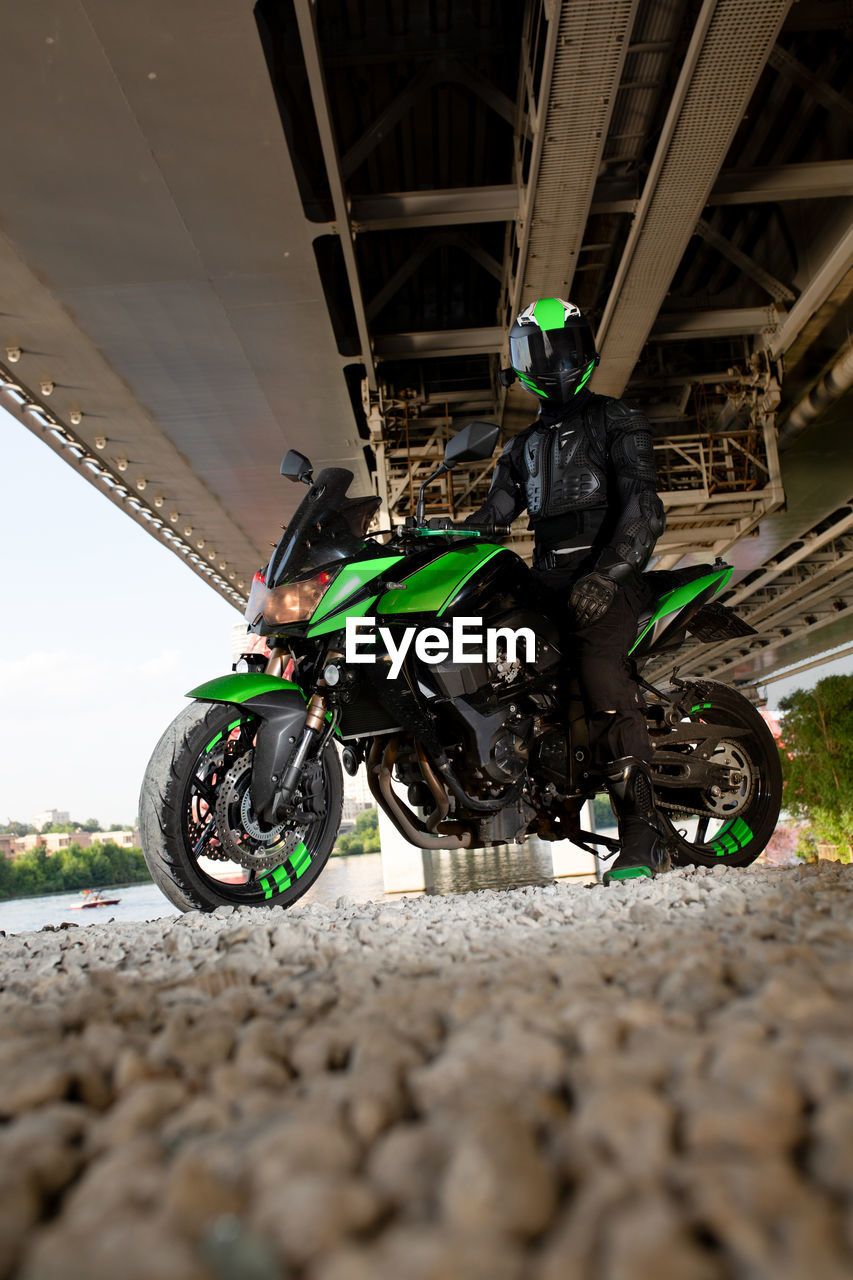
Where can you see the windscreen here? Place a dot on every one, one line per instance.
(319, 531)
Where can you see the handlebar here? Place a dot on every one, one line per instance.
(445, 524)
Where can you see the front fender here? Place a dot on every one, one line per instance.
(280, 706)
(240, 686)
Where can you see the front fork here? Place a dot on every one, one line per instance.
(314, 726)
(315, 731)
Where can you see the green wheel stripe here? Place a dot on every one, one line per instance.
(277, 880)
(214, 741)
(300, 860)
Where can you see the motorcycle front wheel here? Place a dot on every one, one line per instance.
(207, 750)
(736, 826)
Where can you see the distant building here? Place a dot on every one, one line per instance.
(245, 641)
(357, 796)
(49, 817)
(53, 841)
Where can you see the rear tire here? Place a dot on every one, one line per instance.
(177, 822)
(736, 839)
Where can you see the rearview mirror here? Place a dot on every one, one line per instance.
(473, 443)
(296, 466)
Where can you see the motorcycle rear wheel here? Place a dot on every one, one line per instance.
(177, 818)
(734, 838)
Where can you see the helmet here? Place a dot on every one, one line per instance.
(552, 350)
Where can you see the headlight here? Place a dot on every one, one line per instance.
(291, 602)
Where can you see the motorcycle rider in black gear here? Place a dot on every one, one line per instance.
(585, 471)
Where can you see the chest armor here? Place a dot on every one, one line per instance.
(566, 468)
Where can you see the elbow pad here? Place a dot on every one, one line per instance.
(642, 523)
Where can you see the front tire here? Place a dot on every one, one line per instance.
(737, 834)
(177, 819)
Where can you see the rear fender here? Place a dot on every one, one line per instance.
(280, 707)
(671, 616)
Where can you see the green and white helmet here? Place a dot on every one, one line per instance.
(552, 350)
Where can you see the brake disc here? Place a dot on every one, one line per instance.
(245, 838)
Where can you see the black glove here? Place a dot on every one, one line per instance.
(591, 597)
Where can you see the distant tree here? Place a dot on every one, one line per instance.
(365, 838)
(117, 826)
(817, 757)
(602, 813)
(97, 866)
(12, 828)
(60, 828)
(91, 824)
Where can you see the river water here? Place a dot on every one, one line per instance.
(357, 878)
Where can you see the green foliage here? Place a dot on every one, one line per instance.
(602, 813)
(93, 824)
(817, 757)
(365, 838)
(12, 828)
(97, 867)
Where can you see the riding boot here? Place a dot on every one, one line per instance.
(643, 852)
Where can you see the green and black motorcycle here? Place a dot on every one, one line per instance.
(241, 801)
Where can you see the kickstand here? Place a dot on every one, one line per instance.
(583, 838)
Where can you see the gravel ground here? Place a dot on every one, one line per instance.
(647, 1082)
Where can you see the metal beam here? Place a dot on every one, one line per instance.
(778, 291)
(442, 71)
(807, 181)
(727, 322)
(385, 122)
(454, 206)
(438, 343)
(583, 65)
(728, 49)
(305, 17)
(819, 180)
(402, 274)
(817, 89)
(821, 284)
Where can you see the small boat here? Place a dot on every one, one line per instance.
(94, 898)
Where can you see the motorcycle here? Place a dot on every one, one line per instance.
(464, 749)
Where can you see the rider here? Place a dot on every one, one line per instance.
(585, 471)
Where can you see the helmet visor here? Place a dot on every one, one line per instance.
(538, 353)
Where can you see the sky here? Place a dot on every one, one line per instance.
(104, 630)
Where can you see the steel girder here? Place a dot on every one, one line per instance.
(731, 42)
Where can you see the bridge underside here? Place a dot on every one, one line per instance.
(229, 229)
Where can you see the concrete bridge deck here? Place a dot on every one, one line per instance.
(646, 1081)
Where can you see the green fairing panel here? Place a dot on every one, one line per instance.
(240, 686)
(676, 599)
(432, 588)
(338, 621)
(348, 581)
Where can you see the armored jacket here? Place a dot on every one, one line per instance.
(588, 481)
